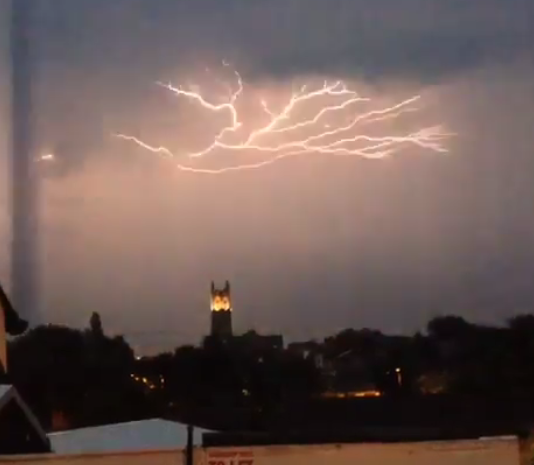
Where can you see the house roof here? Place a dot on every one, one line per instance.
(4, 388)
(9, 395)
(154, 434)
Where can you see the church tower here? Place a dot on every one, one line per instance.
(221, 311)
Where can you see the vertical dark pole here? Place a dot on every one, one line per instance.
(23, 183)
(189, 449)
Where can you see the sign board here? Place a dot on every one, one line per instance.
(230, 457)
(494, 451)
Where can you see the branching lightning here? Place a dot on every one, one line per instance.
(285, 134)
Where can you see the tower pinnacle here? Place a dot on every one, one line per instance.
(221, 311)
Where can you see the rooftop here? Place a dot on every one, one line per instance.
(20, 431)
(154, 434)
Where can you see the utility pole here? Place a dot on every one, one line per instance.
(189, 449)
(24, 237)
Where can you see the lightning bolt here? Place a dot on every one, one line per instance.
(306, 136)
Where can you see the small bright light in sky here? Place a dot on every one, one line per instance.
(46, 157)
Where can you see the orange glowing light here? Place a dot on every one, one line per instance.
(220, 298)
(220, 304)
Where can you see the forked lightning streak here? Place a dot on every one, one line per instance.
(284, 135)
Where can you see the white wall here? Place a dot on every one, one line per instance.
(481, 452)
(170, 457)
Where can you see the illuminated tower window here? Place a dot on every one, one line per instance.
(221, 311)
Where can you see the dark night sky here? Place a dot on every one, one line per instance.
(310, 245)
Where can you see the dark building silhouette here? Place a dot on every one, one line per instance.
(14, 325)
(221, 311)
(20, 432)
(221, 326)
(10, 323)
(255, 342)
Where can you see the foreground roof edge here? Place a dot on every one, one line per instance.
(10, 393)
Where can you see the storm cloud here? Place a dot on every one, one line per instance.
(421, 38)
(310, 245)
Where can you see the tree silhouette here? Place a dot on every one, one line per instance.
(95, 324)
(448, 327)
(94, 378)
(60, 369)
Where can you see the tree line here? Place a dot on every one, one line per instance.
(86, 377)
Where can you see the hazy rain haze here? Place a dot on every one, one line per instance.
(312, 244)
